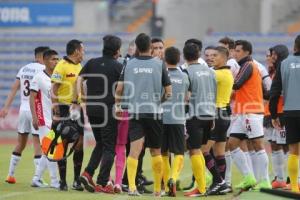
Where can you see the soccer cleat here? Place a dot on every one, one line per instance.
(145, 181)
(87, 182)
(117, 189)
(263, 185)
(278, 184)
(108, 189)
(63, 186)
(55, 185)
(172, 188)
(10, 180)
(248, 182)
(38, 183)
(217, 189)
(77, 186)
(134, 193)
(125, 188)
(193, 193)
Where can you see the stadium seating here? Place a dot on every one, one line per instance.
(16, 50)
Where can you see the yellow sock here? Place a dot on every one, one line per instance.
(166, 171)
(197, 167)
(131, 172)
(157, 165)
(177, 166)
(203, 177)
(293, 170)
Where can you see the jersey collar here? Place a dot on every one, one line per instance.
(68, 60)
(46, 73)
(223, 67)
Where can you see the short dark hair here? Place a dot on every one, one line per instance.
(191, 52)
(143, 42)
(40, 49)
(48, 53)
(72, 46)
(194, 41)
(172, 55)
(111, 45)
(210, 47)
(222, 50)
(228, 41)
(154, 40)
(246, 45)
(297, 43)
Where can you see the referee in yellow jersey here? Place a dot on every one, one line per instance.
(63, 83)
(216, 164)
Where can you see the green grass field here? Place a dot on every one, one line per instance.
(22, 190)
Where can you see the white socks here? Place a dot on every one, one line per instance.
(249, 161)
(254, 163)
(14, 160)
(228, 167)
(239, 158)
(278, 164)
(53, 172)
(262, 162)
(42, 166)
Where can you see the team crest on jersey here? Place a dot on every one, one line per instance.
(56, 76)
(70, 75)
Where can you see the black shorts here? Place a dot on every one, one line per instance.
(173, 139)
(292, 127)
(64, 112)
(198, 131)
(149, 128)
(222, 122)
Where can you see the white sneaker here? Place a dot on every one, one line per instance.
(55, 184)
(38, 183)
(134, 193)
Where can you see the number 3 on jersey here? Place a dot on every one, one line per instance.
(26, 90)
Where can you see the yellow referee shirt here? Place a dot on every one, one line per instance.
(65, 73)
(225, 81)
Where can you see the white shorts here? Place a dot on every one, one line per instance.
(25, 123)
(274, 135)
(249, 124)
(43, 131)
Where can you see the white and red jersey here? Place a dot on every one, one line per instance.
(25, 75)
(41, 83)
(234, 66)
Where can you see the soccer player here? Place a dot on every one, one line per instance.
(101, 74)
(230, 45)
(144, 108)
(173, 121)
(201, 112)
(63, 80)
(23, 82)
(248, 120)
(276, 137)
(209, 55)
(40, 106)
(200, 60)
(216, 163)
(158, 48)
(286, 82)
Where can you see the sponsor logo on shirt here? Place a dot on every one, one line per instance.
(202, 73)
(70, 75)
(143, 70)
(174, 80)
(295, 65)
